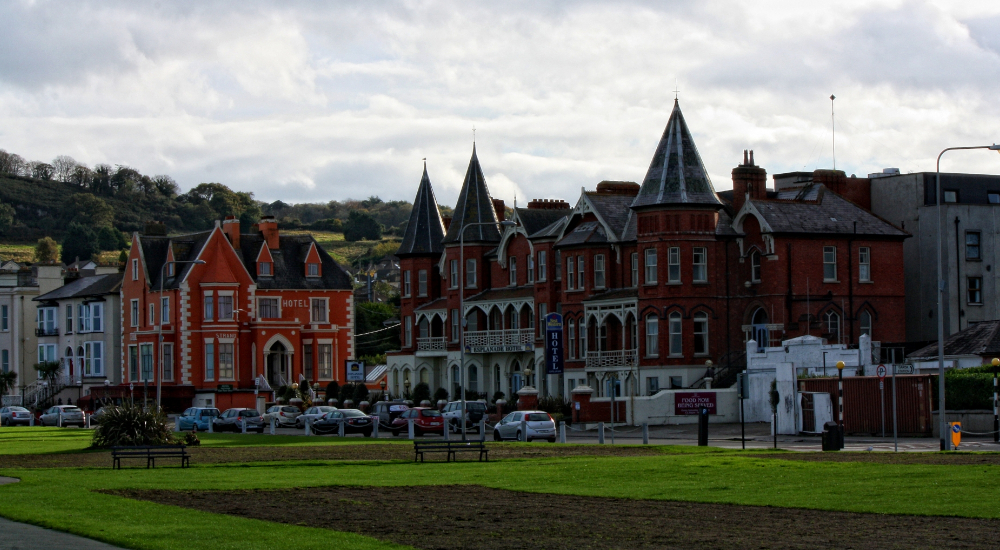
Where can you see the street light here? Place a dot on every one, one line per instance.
(159, 329)
(840, 400)
(461, 306)
(382, 385)
(945, 443)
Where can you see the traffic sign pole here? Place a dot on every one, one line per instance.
(881, 389)
(895, 440)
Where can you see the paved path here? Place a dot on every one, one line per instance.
(21, 536)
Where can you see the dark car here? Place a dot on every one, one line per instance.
(387, 411)
(233, 419)
(424, 420)
(355, 422)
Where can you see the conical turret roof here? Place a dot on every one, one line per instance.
(474, 206)
(676, 174)
(425, 230)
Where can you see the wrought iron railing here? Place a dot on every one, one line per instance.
(432, 343)
(500, 337)
(614, 358)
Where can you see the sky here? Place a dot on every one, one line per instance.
(318, 101)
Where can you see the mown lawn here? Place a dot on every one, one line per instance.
(17, 252)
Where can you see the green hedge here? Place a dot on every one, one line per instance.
(966, 389)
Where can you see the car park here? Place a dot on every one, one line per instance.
(283, 415)
(538, 424)
(233, 420)
(387, 411)
(197, 417)
(12, 416)
(71, 416)
(355, 422)
(474, 412)
(312, 414)
(425, 420)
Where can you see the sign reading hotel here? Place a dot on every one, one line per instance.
(686, 403)
(553, 343)
(355, 371)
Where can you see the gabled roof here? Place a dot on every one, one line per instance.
(289, 264)
(533, 220)
(425, 229)
(815, 209)
(85, 287)
(154, 254)
(474, 206)
(676, 174)
(979, 339)
(615, 220)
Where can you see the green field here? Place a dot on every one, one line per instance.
(65, 498)
(17, 252)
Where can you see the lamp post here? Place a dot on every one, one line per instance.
(996, 412)
(406, 386)
(461, 307)
(382, 385)
(106, 384)
(159, 326)
(840, 401)
(945, 443)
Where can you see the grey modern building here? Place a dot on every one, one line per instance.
(971, 229)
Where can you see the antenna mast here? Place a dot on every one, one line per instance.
(833, 122)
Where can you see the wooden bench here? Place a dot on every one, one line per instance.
(451, 448)
(150, 453)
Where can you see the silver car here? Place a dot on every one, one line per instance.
(538, 425)
(313, 414)
(283, 415)
(11, 416)
(71, 416)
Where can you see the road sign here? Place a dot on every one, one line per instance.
(554, 343)
(903, 369)
(355, 371)
(880, 372)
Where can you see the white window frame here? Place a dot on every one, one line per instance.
(699, 264)
(144, 373)
(312, 269)
(470, 273)
(570, 272)
(134, 312)
(542, 266)
(649, 266)
(221, 314)
(599, 279)
(864, 264)
(675, 324)
(866, 328)
(512, 271)
(261, 299)
(828, 319)
(581, 272)
(422, 282)
(326, 310)
(652, 336)
(830, 259)
(152, 314)
(167, 370)
(531, 269)
(453, 282)
(406, 284)
(455, 320)
(635, 269)
(208, 306)
(324, 354)
(208, 356)
(408, 331)
(165, 310)
(674, 265)
(95, 312)
(135, 269)
(227, 370)
(755, 266)
(264, 269)
(571, 337)
(543, 310)
(701, 333)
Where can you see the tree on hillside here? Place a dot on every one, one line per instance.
(64, 166)
(91, 211)
(46, 250)
(361, 225)
(6, 217)
(166, 186)
(374, 338)
(41, 170)
(109, 238)
(80, 242)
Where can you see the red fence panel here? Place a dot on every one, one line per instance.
(862, 403)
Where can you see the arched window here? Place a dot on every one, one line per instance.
(571, 338)
(395, 382)
(701, 333)
(676, 342)
(832, 320)
(755, 266)
(866, 323)
(473, 379)
(424, 328)
(652, 336)
(583, 339)
(424, 376)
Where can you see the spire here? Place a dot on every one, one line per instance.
(676, 174)
(474, 206)
(425, 230)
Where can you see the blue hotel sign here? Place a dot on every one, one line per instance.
(554, 343)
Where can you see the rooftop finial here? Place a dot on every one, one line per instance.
(473, 134)
(676, 91)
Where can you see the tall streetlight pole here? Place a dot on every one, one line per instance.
(461, 309)
(159, 326)
(945, 444)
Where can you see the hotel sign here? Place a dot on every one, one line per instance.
(553, 343)
(500, 348)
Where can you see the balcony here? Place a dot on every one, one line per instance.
(432, 345)
(47, 331)
(500, 341)
(612, 359)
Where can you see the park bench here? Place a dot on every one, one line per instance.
(451, 448)
(150, 453)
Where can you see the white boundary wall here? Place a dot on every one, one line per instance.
(658, 409)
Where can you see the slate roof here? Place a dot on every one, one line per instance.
(615, 210)
(425, 230)
(550, 231)
(534, 220)
(85, 287)
(440, 303)
(289, 264)
(154, 251)
(979, 339)
(828, 213)
(676, 174)
(474, 206)
(614, 294)
(498, 294)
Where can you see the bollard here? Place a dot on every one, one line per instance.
(645, 433)
(272, 425)
(446, 432)
(600, 433)
(60, 418)
(243, 425)
(703, 427)
(211, 425)
(562, 431)
(409, 422)
(308, 426)
(86, 421)
(375, 427)
(31, 422)
(482, 429)
(524, 428)
(340, 428)
(177, 424)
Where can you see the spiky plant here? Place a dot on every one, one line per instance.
(129, 424)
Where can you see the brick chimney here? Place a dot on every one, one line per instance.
(547, 204)
(499, 209)
(268, 227)
(627, 188)
(231, 227)
(749, 180)
(446, 220)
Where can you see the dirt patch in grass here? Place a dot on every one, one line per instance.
(360, 451)
(473, 517)
(974, 459)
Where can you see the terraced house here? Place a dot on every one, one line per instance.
(661, 284)
(239, 315)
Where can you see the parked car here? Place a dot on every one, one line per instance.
(11, 416)
(234, 418)
(198, 417)
(71, 416)
(312, 413)
(284, 415)
(387, 411)
(355, 422)
(95, 418)
(474, 412)
(424, 420)
(539, 426)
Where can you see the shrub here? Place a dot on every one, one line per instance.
(191, 439)
(421, 392)
(555, 405)
(332, 390)
(966, 390)
(440, 394)
(360, 393)
(498, 396)
(346, 392)
(130, 424)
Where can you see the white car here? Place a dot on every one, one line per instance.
(313, 414)
(538, 424)
(10, 416)
(283, 415)
(474, 412)
(71, 416)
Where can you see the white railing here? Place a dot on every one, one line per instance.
(513, 337)
(12, 401)
(432, 343)
(616, 358)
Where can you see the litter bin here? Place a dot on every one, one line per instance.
(831, 437)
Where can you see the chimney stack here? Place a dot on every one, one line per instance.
(231, 228)
(749, 182)
(498, 207)
(268, 227)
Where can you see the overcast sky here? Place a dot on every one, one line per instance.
(313, 101)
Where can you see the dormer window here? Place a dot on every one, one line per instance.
(170, 269)
(312, 270)
(264, 269)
